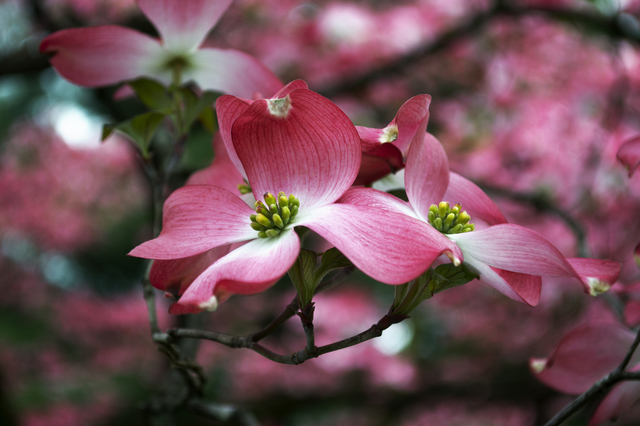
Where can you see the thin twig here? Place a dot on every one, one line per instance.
(295, 358)
(600, 387)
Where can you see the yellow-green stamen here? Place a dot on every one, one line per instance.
(274, 214)
(450, 220)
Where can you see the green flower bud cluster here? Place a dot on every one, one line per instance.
(450, 220)
(274, 214)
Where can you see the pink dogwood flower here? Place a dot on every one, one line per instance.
(303, 148)
(108, 54)
(629, 154)
(584, 356)
(384, 150)
(508, 257)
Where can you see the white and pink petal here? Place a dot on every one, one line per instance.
(426, 174)
(390, 247)
(473, 200)
(196, 219)
(105, 55)
(183, 24)
(231, 71)
(518, 249)
(249, 269)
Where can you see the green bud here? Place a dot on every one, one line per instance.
(264, 221)
(262, 234)
(443, 207)
(449, 219)
(456, 229)
(286, 215)
(256, 226)
(437, 223)
(456, 209)
(277, 220)
(463, 218)
(272, 232)
(431, 216)
(294, 211)
(269, 198)
(252, 217)
(263, 211)
(283, 201)
(244, 189)
(273, 208)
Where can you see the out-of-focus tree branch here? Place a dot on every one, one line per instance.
(622, 26)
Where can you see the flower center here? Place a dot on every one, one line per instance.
(274, 214)
(450, 220)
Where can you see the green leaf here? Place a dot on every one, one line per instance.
(454, 276)
(306, 276)
(208, 119)
(331, 259)
(153, 94)
(302, 275)
(194, 105)
(140, 129)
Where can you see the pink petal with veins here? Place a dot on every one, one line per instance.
(519, 287)
(250, 269)
(196, 219)
(379, 163)
(473, 200)
(183, 24)
(370, 139)
(389, 247)
(231, 71)
(308, 148)
(412, 119)
(104, 55)
(584, 356)
(378, 200)
(229, 108)
(629, 154)
(176, 275)
(426, 174)
(518, 249)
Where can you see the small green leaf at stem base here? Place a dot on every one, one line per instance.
(408, 296)
(153, 94)
(306, 276)
(140, 129)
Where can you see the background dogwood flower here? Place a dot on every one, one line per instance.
(108, 54)
(584, 356)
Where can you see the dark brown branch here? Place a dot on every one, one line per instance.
(600, 387)
(295, 358)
